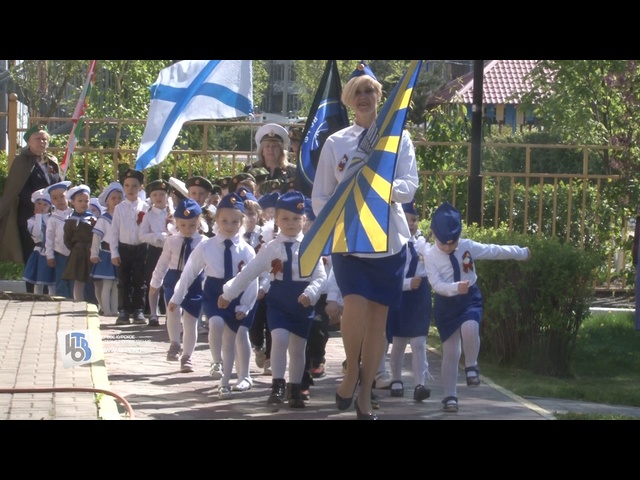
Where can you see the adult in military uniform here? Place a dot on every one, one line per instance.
(273, 153)
(32, 169)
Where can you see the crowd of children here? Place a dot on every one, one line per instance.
(223, 256)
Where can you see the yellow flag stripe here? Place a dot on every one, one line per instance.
(376, 234)
(315, 248)
(340, 236)
(379, 184)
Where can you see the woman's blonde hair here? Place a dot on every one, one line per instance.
(349, 91)
(284, 155)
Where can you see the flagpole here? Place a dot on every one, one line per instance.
(78, 114)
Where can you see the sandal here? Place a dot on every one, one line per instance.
(473, 380)
(397, 392)
(450, 404)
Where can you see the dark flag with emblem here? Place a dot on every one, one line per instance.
(326, 116)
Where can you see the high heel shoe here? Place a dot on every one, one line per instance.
(364, 416)
(343, 403)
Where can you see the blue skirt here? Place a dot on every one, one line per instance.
(212, 290)
(412, 317)
(284, 311)
(377, 279)
(37, 271)
(104, 269)
(192, 302)
(451, 312)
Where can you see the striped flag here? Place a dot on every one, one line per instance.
(78, 120)
(326, 116)
(356, 217)
(193, 90)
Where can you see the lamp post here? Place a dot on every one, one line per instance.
(474, 190)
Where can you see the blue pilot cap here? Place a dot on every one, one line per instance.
(362, 69)
(410, 207)
(232, 200)
(292, 201)
(308, 209)
(269, 200)
(187, 209)
(446, 223)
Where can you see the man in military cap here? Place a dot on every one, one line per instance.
(243, 178)
(261, 175)
(295, 140)
(34, 168)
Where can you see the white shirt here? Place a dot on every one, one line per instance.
(124, 226)
(37, 227)
(422, 247)
(153, 228)
(170, 256)
(440, 271)
(275, 250)
(209, 256)
(55, 233)
(341, 150)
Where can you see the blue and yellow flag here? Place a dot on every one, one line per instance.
(356, 217)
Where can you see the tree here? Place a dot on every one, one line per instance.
(593, 102)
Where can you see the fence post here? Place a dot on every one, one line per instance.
(12, 120)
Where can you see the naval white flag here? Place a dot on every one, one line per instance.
(193, 90)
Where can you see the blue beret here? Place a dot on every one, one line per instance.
(187, 209)
(292, 201)
(269, 200)
(245, 193)
(446, 223)
(308, 209)
(363, 69)
(410, 207)
(231, 200)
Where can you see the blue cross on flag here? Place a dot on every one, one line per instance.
(193, 90)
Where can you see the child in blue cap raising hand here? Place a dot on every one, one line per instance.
(458, 307)
(290, 300)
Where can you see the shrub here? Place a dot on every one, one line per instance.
(533, 310)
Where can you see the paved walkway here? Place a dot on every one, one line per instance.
(129, 371)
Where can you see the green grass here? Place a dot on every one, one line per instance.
(605, 366)
(11, 271)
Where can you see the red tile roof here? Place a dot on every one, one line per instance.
(502, 79)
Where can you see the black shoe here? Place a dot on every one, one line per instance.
(397, 392)
(364, 416)
(138, 317)
(278, 386)
(474, 380)
(343, 403)
(421, 393)
(153, 321)
(123, 318)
